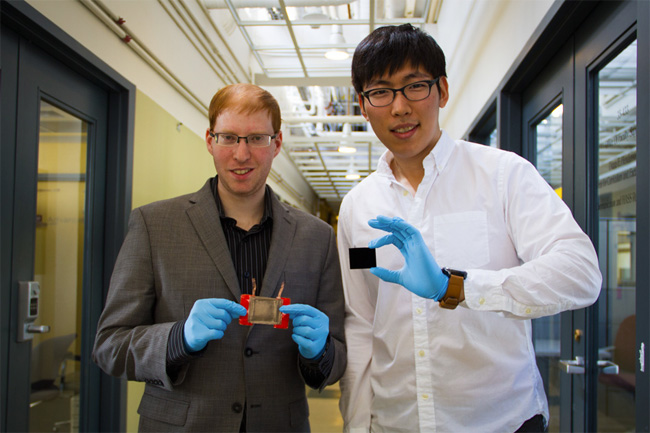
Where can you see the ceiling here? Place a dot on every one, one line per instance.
(291, 42)
(281, 45)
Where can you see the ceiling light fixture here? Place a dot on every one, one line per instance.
(345, 136)
(336, 38)
(352, 174)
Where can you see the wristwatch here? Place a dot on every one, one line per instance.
(454, 288)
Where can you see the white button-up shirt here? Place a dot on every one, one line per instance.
(413, 366)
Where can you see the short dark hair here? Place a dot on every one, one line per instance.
(387, 49)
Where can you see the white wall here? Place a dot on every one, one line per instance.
(481, 51)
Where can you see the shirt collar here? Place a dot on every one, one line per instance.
(268, 203)
(438, 157)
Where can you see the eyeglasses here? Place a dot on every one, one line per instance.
(254, 140)
(413, 92)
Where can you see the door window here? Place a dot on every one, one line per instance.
(58, 268)
(546, 330)
(616, 132)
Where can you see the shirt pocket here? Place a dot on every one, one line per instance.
(461, 240)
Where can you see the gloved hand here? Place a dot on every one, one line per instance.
(310, 329)
(208, 320)
(420, 273)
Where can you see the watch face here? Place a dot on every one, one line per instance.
(449, 272)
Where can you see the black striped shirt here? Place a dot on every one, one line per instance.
(249, 249)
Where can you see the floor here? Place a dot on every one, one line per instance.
(324, 415)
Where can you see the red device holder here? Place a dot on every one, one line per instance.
(245, 302)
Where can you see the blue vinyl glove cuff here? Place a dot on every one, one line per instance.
(420, 273)
(310, 329)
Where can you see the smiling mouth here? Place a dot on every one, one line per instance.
(242, 171)
(404, 129)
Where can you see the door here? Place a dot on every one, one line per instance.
(57, 217)
(547, 141)
(579, 123)
(609, 67)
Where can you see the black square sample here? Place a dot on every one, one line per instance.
(362, 258)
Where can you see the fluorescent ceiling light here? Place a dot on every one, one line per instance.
(336, 38)
(347, 149)
(337, 55)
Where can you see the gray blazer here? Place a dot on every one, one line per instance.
(175, 253)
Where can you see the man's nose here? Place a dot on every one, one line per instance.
(241, 151)
(400, 104)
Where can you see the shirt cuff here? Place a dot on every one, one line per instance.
(177, 356)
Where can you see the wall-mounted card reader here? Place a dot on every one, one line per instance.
(29, 293)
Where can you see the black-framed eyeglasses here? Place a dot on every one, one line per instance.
(413, 92)
(254, 140)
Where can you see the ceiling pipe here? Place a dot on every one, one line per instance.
(116, 24)
(198, 44)
(221, 4)
(199, 29)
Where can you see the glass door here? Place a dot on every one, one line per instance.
(548, 143)
(616, 190)
(67, 137)
(547, 139)
(58, 225)
(58, 269)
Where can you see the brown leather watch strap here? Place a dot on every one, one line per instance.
(454, 292)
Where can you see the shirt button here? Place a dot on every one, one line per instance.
(418, 310)
(421, 353)
(405, 193)
(425, 396)
(247, 274)
(481, 301)
(528, 310)
(237, 407)
(248, 352)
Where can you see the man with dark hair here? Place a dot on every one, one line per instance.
(439, 334)
(181, 272)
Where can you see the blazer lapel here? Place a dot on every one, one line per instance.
(204, 216)
(284, 230)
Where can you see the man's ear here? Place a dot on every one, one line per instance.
(277, 142)
(208, 141)
(362, 105)
(443, 92)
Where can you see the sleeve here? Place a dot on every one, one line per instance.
(329, 368)
(316, 371)
(559, 267)
(129, 344)
(356, 391)
(177, 356)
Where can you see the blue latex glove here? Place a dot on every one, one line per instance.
(310, 329)
(420, 273)
(208, 320)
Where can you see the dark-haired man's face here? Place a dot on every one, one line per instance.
(409, 129)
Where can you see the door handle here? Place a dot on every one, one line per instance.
(43, 329)
(607, 367)
(577, 366)
(573, 366)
